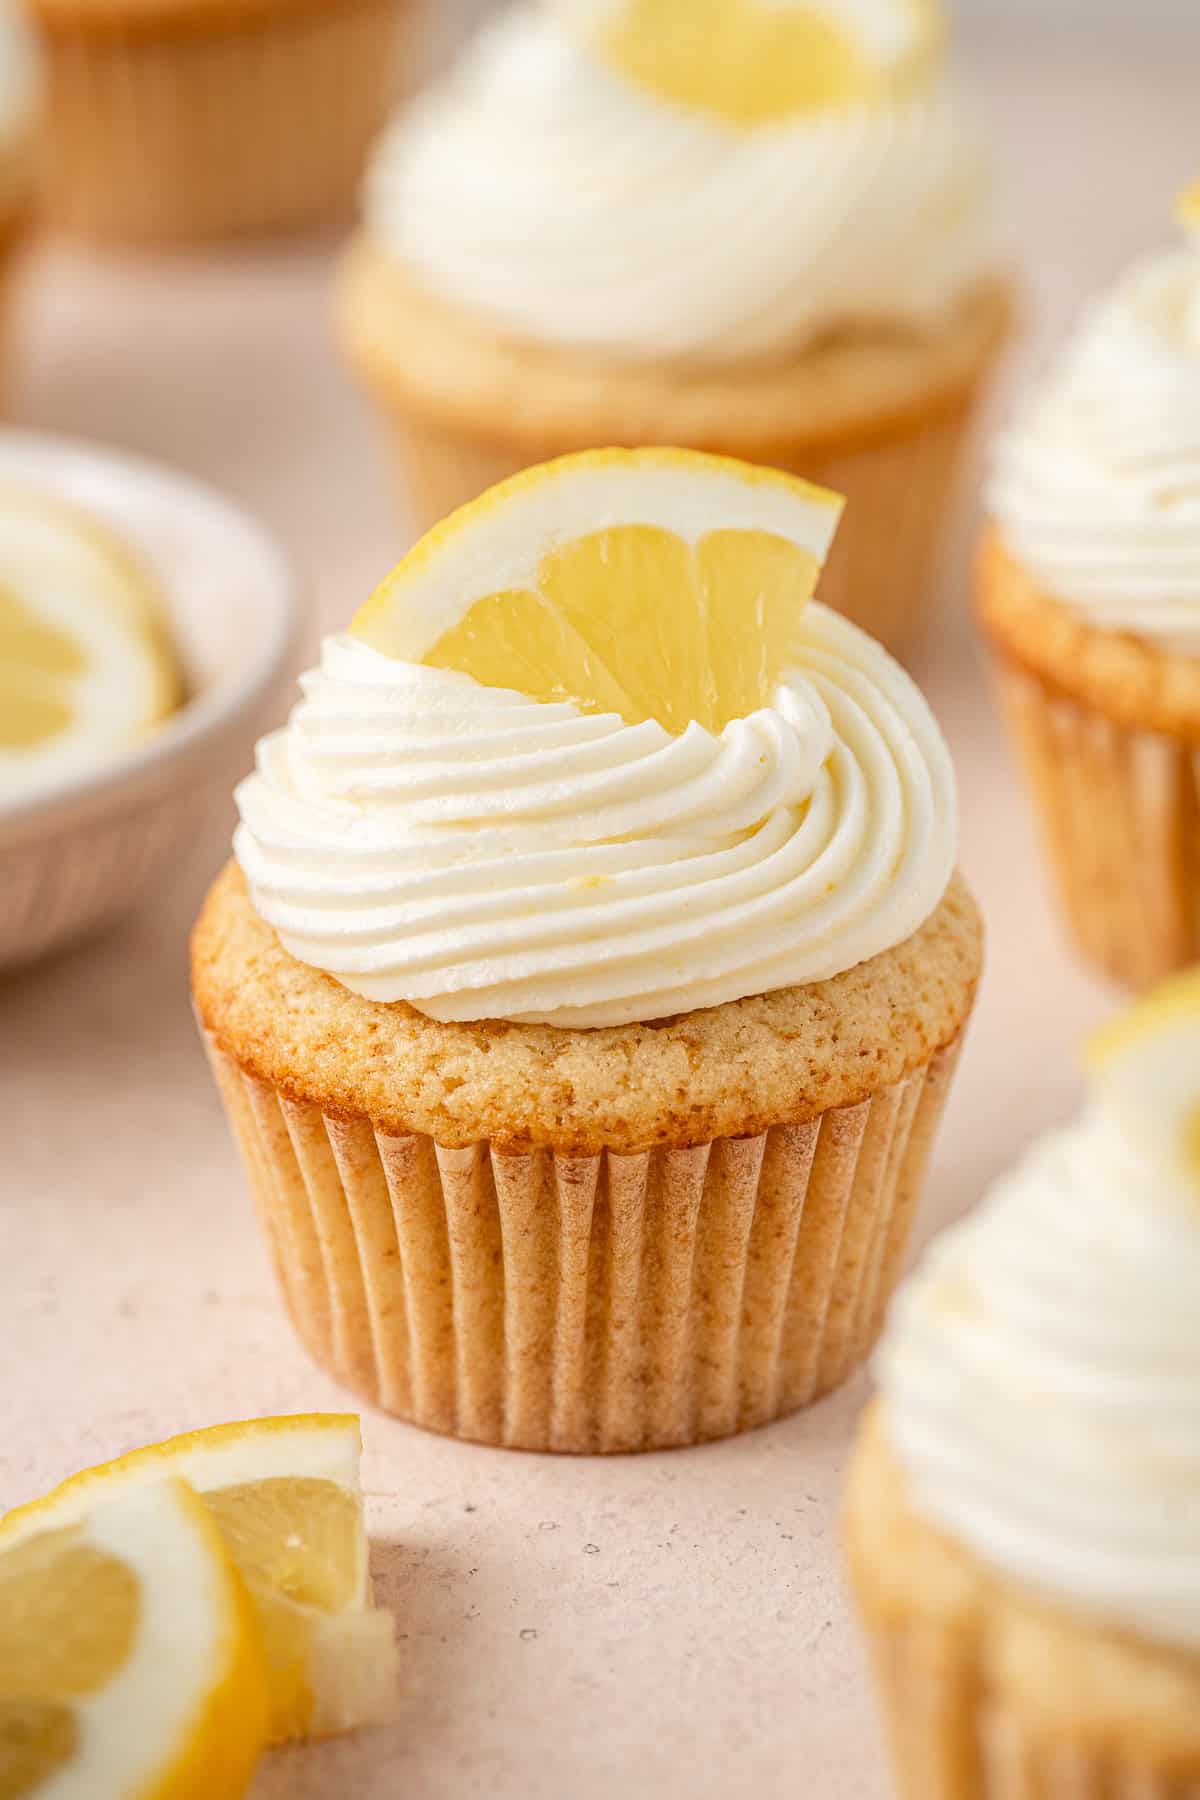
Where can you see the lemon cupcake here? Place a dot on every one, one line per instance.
(763, 234)
(18, 120)
(587, 987)
(1089, 594)
(1023, 1522)
(193, 119)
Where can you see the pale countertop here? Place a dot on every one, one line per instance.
(669, 1625)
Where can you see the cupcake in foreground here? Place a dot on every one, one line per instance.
(192, 119)
(761, 234)
(1023, 1520)
(1089, 593)
(587, 987)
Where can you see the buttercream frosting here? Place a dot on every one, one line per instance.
(1096, 487)
(539, 190)
(424, 838)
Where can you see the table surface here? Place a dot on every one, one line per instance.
(672, 1624)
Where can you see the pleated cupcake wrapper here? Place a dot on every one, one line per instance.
(251, 126)
(953, 1740)
(1120, 817)
(588, 1303)
(884, 566)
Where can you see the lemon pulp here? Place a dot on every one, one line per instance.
(635, 621)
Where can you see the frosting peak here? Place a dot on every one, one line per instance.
(567, 206)
(425, 838)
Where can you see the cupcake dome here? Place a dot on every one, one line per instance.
(1088, 594)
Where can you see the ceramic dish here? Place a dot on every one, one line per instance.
(77, 853)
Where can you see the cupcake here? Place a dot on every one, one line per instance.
(1089, 596)
(194, 119)
(18, 118)
(768, 253)
(586, 989)
(1023, 1520)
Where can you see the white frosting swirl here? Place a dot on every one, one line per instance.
(1041, 1376)
(1097, 486)
(542, 192)
(481, 855)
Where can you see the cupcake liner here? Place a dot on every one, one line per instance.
(953, 1739)
(608, 1302)
(240, 126)
(1120, 817)
(883, 568)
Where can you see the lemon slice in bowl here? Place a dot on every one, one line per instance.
(286, 1496)
(756, 62)
(130, 1659)
(1145, 1068)
(655, 584)
(86, 666)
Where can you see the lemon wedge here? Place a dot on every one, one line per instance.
(1187, 207)
(130, 1661)
(655, 584)
(1145, 1068)
(86, 668)
(755, 62)
(286, 1496)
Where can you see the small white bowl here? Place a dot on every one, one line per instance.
(78, 853)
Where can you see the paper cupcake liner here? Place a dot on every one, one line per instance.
(1120, 817)
(884, 566)
(255, 125)
(588, 1303)
(951, 1739)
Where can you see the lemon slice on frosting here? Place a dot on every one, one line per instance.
(86, 668)
(285, 1494)
(1145, 1067)
(657, 584)
(130, 1662)
(752, 62)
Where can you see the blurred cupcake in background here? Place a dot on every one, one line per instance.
(760, 231)
(192, 119)
(18, 120)
(1089, 592)
(1022, 1522)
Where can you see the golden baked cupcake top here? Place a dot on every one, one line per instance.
(1039, 1374)
(592, 757)
(728, 181)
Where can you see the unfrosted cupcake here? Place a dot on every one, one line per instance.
(1089, 594)
(18, 121)
(1024, 1504)
(586, 991)
(192, 119)
(786, 258)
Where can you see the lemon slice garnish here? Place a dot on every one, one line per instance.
(130, 1660)
(86, 667)
(656, 584)
(1145, 1067)
(754, 62)
(286, 1496)
(1187, 207)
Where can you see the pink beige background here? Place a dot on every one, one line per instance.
(674, 1625)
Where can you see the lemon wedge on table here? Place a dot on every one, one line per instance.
(86, 667)
(130, 1662)
(286, 1497)
(755, 62)
(656, 584)
(1145, 1068)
